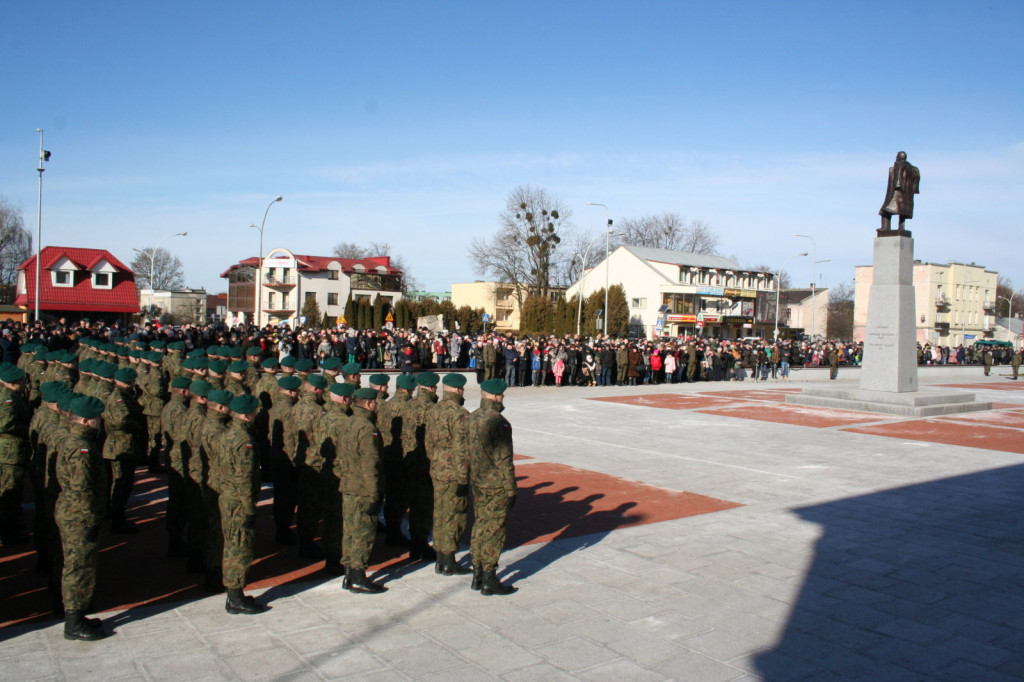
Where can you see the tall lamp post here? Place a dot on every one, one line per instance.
(152, 257)
(814, 277)
(778, 290)
(607, 244)
(1009, 311)
(583, 280)
(43, 157)
(259, 270)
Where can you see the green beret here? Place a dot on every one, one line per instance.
(494, 386)
(351, 368)
(366, 394)
(65, 357)
(180, 382)
(220, 396)
(317, 381)
(289, 383)
(121, 351)
(104, 370)
(244, 404)
(235, 352)
(85, 406)
(49, 390)
(379, 379)
(196, 353)
(200, 362)
(269, 363)
(454, 380)
(64, 399)
(134, 353)
(344, 390)
(332, 363)
(288, 361)
(158, 345)
(213, 351)
(11, 374)
(200, 388)
(155, 356)
(238, 366)
(125, 375)
(188, 363)
(28, 349)
(406, 381)
(176, 345)
(41, 354)
(254, 351)
(304, 365)
(86, 366)
(141, 345)
(217, 366)
(427, 379)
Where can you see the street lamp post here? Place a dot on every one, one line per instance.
(583, 281)
(259, 270)
(152, 262)
(607, 244)
(814, 277)
(778, 290)
(43, 156)
(1009, 311)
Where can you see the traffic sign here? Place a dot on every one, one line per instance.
(487, 318)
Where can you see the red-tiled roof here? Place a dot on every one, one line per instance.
(319, 264)
(121, 298)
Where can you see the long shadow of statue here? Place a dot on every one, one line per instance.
(920, 582)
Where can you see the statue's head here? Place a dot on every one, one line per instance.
(901, 156)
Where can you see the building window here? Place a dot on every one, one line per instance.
(270, 300)
(101, 280)
(310, 296)
(62, 278)
(284, 302)
(638, 303)
(332, 298)
(332, 274)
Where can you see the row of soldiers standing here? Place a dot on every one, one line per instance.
(220, 419)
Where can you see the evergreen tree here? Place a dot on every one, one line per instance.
(618, 320)
(350, 312)
(378, 312)
(311, 311)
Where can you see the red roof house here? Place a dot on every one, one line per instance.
(77, 282)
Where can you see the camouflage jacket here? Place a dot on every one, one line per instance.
(214, 429)
(301, 431)
(390, 415)
(490, 448)
(123, 420)
(238, 465)
(358, 467)
(14, 419)
(447, 448)
(79, 475)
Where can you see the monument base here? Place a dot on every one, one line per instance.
(926, 403)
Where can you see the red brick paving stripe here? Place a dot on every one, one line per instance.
(1012, 419)
(797, 415)
(987, 386)
(950, 432)
(668, 401)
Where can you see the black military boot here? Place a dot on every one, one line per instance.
(77, 627)
(333, 566)
(489, 584)
(237, 602)
(421, 551)
(356, 581)
(447, 565)
(477, 578)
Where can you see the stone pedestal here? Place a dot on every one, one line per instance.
(890, 344)
(888, 375)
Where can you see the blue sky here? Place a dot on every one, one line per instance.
(410, 122)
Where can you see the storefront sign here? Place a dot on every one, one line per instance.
(740, 293)
(711, 291)
(681, 318)
(730, 319)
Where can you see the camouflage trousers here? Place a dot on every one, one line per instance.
(396, 499)
(154, 438)
(121, 474)
(333, 526)
(177, 516)
(359, 530)
(490, 507)
(238, 521)
(490, 368)
(213, 549)
(79, 541)
(420, 492)
(195, 513)
(12, 483)
(312, 499)
(285, 491)
(449, 516)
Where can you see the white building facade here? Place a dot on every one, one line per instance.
(286, 280)
(675, 293)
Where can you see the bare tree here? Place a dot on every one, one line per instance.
(524, 251)
(840, 311)
(352, 250)
(15, 243)
(667, 231)
(785, 281)
(168, 270)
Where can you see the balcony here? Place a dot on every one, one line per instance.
(941, 301)
(277, 282)
(942, 327)
(989, 305)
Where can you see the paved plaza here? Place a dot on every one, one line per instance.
(692, 532)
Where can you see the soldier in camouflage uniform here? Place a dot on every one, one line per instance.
(14, 452)
(239, 484)
(359, 471)
(492, 477)
(154, 394)
(281, 452)
(305, 446)
(333, 433)
(449, 471)
(214, 431)
(235, 381)
(173, 422)
(40, 435)
(253, 355)
(417, 467)
(173, 360)
(195, 484)
(350, 373)
(390, 417)
(79, 475)
(124, 423)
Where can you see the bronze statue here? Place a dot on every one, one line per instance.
(904, 179)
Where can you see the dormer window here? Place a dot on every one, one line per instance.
(102, 280)
(62, 278)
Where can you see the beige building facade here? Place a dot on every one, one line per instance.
(176, 306)
(498, 301)
(956, 302)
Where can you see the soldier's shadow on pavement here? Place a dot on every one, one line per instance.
(920, 582)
